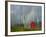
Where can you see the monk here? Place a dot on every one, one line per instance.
(32, 25)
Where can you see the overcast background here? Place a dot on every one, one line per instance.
(22, 10)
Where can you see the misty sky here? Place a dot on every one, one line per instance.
(23, 10)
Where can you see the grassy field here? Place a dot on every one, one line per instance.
(20, 28)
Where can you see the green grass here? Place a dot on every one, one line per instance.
(19, 28)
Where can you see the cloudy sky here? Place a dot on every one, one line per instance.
(23, 10)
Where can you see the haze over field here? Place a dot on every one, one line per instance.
(24, 13)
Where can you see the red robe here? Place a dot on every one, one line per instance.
(33, 24)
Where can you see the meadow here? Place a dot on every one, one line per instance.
(20, 27)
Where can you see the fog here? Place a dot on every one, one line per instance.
(24, 13)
